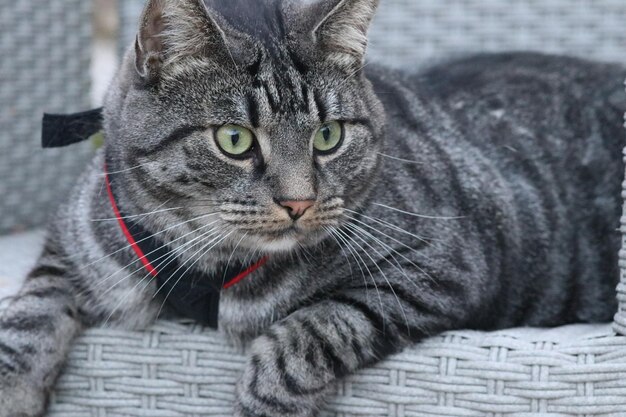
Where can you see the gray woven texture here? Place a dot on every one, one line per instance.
(45, 47)
(184, 370)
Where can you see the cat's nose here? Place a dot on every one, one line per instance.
(296, 208)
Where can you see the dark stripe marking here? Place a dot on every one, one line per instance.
(247, 412)
(253, 110)
(270, 99)
(70, 312)
(361, 121)
(14, 358)
(305, 98)
(253, 69)
(48, 292)
(40, 322)
(277, 85)
(354, 342)
(46, 270)
(383, 342)
(335, 363)
(177, 135)
(310, 354)
(298, 64)
(321, 108)
(254, 387)
(50, 249)
(404, 296)
(290, 383)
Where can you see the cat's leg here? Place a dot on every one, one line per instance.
(57, 300)
(294, 365)
(36, 330)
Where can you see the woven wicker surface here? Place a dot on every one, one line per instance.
(45, 48)
(183, 370)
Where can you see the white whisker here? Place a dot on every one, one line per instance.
(400, 159)
(387, 248)
(387, 236)
(231, 257)
(419, 215)
(108, 277)
(217, 239)
(351, 253)
(146, 238)
(348, 239)
(331, 234)
(124, 170)
(423, 239)
(138, 215)
(171, 256)
(406, 320)
(400, 243)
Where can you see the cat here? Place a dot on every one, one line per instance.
(377, 207)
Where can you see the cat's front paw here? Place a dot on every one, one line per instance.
(277, 382)
(21, 398)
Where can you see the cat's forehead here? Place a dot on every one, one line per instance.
(263, 20)
(267, 23)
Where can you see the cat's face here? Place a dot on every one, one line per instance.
(273, 129)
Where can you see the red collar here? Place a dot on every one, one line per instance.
(190, 292)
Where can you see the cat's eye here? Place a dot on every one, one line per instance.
(328, 137)
(234, 140)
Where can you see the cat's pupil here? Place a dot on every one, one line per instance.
(234, 138)
(326, 133)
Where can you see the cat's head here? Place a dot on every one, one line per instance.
(256, 110)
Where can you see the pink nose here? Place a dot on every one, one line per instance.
(296, 208)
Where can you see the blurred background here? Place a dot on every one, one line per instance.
(59, 56)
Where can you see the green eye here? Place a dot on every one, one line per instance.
(234, 140)
(328, 137)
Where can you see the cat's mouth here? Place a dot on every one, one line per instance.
(275, 231)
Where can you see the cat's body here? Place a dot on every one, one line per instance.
(487, 197)
(527, 147)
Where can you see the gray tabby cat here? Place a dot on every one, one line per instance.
(391, 205)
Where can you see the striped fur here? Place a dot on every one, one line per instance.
(480, 193)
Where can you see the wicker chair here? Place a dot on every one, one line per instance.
(45, 47)
(177, 369)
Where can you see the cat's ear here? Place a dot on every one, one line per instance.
(174, 29)
(342, 33)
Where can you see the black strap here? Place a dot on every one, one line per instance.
(190, 293)
(65, 129)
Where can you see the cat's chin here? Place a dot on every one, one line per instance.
(280, 245)
(283, 244)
